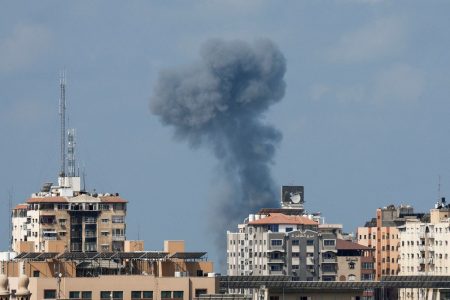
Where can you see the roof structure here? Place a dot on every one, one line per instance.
(347, 245)
(286, 211)
(279, 218)
(284, 283)
(113, 199)
(147, 255)
(36, 256)
(20, 206)
(188, 255)
(47, 200)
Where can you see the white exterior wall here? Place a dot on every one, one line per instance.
(424, 251)
(19, 231)
(246, 251)
(34, 229)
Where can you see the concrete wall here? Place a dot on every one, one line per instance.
(126, 284)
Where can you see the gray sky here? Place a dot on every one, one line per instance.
(365, 117)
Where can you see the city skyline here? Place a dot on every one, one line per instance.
(364, 118)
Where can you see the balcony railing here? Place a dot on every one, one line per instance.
(118, 238)
(310, 261)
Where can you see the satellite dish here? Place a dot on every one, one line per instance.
(296, 198)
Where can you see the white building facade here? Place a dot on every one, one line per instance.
(424, 250)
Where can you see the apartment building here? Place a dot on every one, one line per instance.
(283, 241)
(424, 248)
(63, 217)
(382, 234)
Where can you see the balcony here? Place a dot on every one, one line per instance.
(310, 261)
(90, 221)
(118, 238)
(421, 261)
(421, 248)
(328, 272)
(329, 260)
(90, 235)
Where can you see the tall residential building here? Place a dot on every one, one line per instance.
(381, 233)
(424, 246)
(283, 241)
(65, 218)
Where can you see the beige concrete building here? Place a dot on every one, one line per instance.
(382, 234)
(163, 275)
(355, 262)
(65, 218)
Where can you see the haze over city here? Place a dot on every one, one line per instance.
(364, 116)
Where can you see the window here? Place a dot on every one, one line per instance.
(49, 294)
(289, 229)
(273, 227)
(105, 233)
(329, 242)
(86, 295)
(199, 292)
(105, 221)
(166, 294)
(310, 242)
(276, 242)
(106, 295)
(117, 219)
(135, 295)
(36, 273)
(351, 265)
(295, 242)
(178, 295)
(74, 295)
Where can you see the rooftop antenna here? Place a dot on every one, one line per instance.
(62, 114)
(439, 187)
(10, 199)
(83, 177)
(71, 152)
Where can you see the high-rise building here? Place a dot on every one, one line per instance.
(284, 241)
(382, 234)
(64, 218)
(424, 248)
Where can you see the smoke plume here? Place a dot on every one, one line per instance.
(219, 103)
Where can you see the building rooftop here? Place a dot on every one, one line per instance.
(20, 206)
(81, 198)
(279, 218)
(347, 245)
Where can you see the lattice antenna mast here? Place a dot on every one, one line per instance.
(71, 152)
(62, 115)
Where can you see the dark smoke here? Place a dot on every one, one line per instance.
(219, 102)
